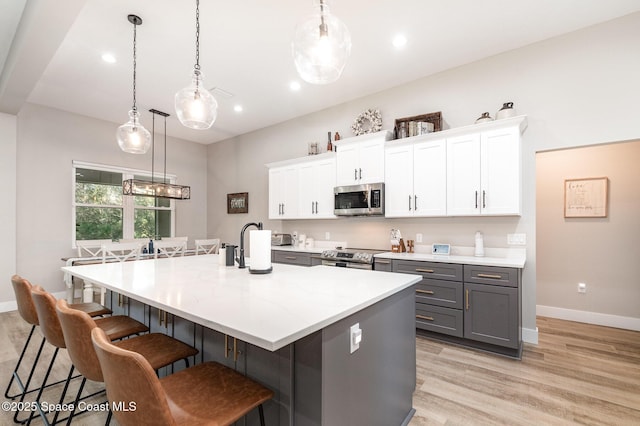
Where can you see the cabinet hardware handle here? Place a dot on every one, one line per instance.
(290, 257)
(415, 202)
(161, 317)
(312, 212)
(484, 199)
(119, 299)
(360, 173)
(226, 346)
(429, 271)
(409, 202)
(424, 317)
(383, 262)
(282, 208)
(425, 291)
(316, 207)
(355, 174)
(165, 316)
(476, 199)
(235, 350)
(466, 299)
(497, 277)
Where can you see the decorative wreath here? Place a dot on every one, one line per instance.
(370, 121)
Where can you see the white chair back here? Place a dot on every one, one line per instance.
(210, 246)
(90, 248)
(121, 252)
(168, 248)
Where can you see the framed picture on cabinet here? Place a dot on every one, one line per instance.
(238, 203)
(586, 197)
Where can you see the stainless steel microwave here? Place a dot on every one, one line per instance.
(359, 200)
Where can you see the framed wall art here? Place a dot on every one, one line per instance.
(238, 203)
(586, 197)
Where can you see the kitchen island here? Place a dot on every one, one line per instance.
(294, 328)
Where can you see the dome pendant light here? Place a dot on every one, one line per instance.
(321, 46)
(132, 136)
(196, 107)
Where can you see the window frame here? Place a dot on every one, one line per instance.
(128, 202)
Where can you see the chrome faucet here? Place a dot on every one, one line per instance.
(240, 259)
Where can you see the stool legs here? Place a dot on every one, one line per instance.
(15, 375)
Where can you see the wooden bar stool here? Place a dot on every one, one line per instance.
(22, 290)
(206, 394)
(158, 349)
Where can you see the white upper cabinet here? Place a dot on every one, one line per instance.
(302, 188)
(484, 172)
(361, 159)
(316, 181)
(416, 179)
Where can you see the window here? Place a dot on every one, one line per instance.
(100, 211)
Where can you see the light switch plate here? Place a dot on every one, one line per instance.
(517, 239)
(355, 337)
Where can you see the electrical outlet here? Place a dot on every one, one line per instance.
(327, 235)
(418, 238)
(517, 239)
(582, 287)
(355, 337)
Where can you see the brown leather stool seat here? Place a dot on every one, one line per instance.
(22, 290)
(159, 349)
(206, 394)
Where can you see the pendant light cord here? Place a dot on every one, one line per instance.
(135, 108)
(165, 150)
(197, 65)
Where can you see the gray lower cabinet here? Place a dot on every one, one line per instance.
(475, 305)
(381, 265)
(295, 258)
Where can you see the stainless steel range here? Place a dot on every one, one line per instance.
(349, 258)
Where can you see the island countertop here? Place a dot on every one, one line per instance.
(269, 311)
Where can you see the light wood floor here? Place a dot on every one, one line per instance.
(577, 374)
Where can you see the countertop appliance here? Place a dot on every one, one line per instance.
(349, 258)
(281, 239)
(359, 200)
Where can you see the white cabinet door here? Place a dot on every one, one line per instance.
(429, 178)
(316, 181)
(347, 162)
(398, 185)
(283, 192)
(500, 172)
(463, 175)
(325, 181)
(361, 162)
(371, 168)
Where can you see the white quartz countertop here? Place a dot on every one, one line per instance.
(269, 311)
(314, 250)
(514, 260)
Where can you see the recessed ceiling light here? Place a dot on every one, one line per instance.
(295, 86)
(399, 41)
(238, 108)
(108, 58)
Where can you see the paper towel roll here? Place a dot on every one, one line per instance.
(260, 250)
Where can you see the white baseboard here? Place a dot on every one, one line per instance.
(608, 320)
(11, 305)
(530, 335)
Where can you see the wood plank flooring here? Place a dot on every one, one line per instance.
(577, 374)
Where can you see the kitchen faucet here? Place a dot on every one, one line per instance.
(240, 259)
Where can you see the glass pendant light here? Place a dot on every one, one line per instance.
(321, 46)
(196, 107)
(132, 136)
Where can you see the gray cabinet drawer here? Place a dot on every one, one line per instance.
(439, 292)
(382, 265)
(439, 319)
(491, 275)
(441, 271)
(292, 258)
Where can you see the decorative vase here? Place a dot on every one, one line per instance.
(506, 111)
(484, 118)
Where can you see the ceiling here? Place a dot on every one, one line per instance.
(50, 52)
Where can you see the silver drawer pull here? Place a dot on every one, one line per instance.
(424, 291)
(429, 271)
(496, 277)
(290, 257)
(383, 262)
(422, 317)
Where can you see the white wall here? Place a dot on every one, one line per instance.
(577, 89)
(607, 248)
(8, 128)
(48, 141)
